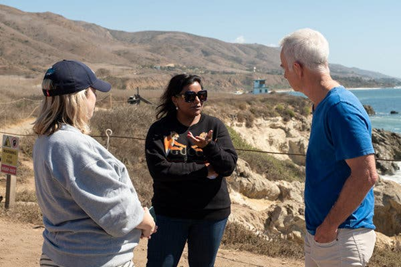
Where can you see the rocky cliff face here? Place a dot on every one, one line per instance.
(278, 136)
(388, 147)
(388, 207)
(291, 137)
(276, 208)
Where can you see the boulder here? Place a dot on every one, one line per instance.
(287, 221)
(369, 110)
(297, 147)
(387, 207)
(291, 191)
(393, 112)
(251, 184)
(387, 147)
(253, 220)
(383, 241)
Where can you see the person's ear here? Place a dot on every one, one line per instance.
(298, 68)
(174, 99)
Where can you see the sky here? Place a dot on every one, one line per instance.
(362, 34)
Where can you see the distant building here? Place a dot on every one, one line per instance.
(259, 87)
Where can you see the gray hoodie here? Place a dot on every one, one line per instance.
(89, 205)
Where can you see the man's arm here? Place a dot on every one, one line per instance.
(363, 177)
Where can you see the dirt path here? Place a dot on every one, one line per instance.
(21, 245)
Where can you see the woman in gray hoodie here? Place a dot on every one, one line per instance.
(91, 212)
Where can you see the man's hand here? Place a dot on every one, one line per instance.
(363, 177)
(325, 233)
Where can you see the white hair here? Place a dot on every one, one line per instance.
(307, 47)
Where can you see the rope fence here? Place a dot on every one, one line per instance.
(109, 136)
(108, 98)
(19, 100)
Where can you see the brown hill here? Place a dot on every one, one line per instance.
(31, 42)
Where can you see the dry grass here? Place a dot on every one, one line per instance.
(20, 98)
(248, 107)
(26, 212)
(130, 122)
(237, 237)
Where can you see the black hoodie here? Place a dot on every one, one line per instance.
(180, 183)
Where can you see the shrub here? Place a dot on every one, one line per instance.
(23, 212)
(132, 121)
(26, 196)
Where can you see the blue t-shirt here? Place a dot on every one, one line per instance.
(340, 130)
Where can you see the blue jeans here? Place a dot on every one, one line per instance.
(166, 245)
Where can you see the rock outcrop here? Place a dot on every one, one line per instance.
(253, 185)
(276, 208)
(369, 110)
(387, 147)
(388, 207)
(278, 136)
(272, 209)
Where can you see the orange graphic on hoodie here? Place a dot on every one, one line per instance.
(170, 143)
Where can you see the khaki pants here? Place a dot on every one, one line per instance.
(353, 247)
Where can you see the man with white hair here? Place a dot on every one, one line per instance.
(340, 163)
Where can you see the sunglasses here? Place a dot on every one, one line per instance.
(190, 96)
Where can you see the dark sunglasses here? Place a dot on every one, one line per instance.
(190, 96)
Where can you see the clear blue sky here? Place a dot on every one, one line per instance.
(363, 34)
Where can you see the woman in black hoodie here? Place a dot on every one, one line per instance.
(188, 155)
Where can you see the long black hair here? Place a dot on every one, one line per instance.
(174, 87)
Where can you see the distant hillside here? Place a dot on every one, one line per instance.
(31, 42)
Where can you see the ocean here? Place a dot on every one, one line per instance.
(383, 101)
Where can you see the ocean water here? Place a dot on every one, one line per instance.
(383, 101)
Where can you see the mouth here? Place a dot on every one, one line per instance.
(197, 107)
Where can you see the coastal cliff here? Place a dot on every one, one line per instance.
(275, 208)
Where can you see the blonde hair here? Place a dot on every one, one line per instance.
(62, 109)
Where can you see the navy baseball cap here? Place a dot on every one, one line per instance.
(69, 76)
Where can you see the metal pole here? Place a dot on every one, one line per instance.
(10, 191)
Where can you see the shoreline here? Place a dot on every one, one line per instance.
(348, 88)
(372, 88)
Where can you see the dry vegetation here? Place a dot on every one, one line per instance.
(129, 124)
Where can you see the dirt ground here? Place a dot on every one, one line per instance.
(21, 244)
